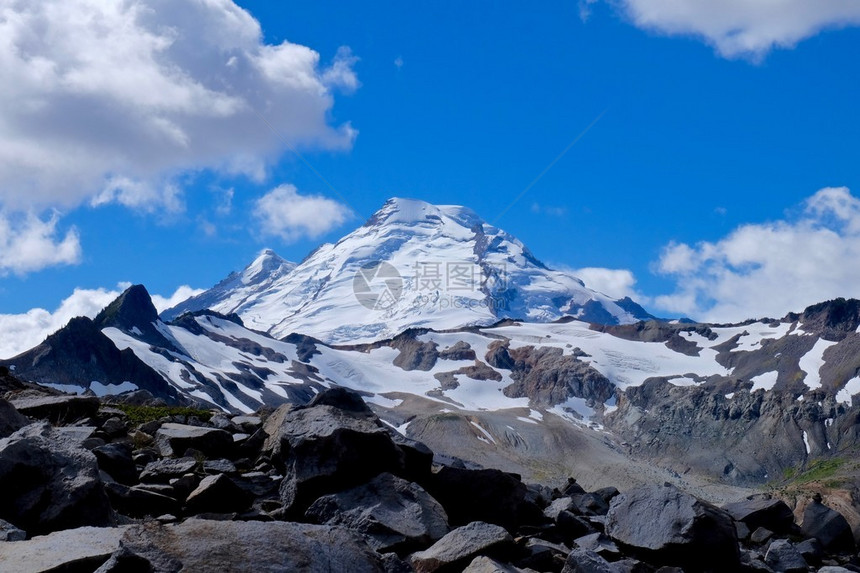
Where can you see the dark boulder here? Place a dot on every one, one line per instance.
(664, 525)
(762, 511)
(334, 443)
(9, 532)
(828, 526)
(58, 409)
(175, 439)
(10, 419)
(139, 501)
(115, 459)
(585, 561)
(782, 556)
(217, 494)
(487, 495)
(394, 514)
(162, 471)
(49, 482)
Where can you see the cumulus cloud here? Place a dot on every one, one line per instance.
(20, 332)
(283, 213)
(28, 243)
(110, 101)
(616, 283)
(772, 268)
(735, 28)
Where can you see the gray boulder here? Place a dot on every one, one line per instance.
(174, 439)
(828, 526)
(10, 419)
(81, 549)
(586, 561)
(762, 511)
(205, 545)
(58, 409)
(9, 532)
(662, 524)
(49, 482)
(162, 471)
(483, 564)
(459, 547)
(782, 556)
(394, 514)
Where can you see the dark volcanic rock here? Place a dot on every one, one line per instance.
(58, 409)
(483, 495)
(762, 511)
(10, 419)
(49, 483)
(665, 525)
(174, 439)
(161, 471)
(9, 532)
(459, 547)
(394, 514)
(217, 494)
(334, 443)
(79, 353)
(828, 526)
(585, 561)
(116, 460)
(783, 556)
(139, 501)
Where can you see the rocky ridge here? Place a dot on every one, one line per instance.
(329, 487)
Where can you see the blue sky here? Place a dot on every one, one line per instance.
(716, 183)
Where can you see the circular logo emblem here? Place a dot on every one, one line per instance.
(377, 285)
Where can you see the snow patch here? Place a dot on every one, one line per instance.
(730, 395)
(851, 388)
(806, 442)
(812, 361)
(111, 389)
(485, 432)
(764, 381)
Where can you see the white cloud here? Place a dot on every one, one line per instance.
(21, 332)
(181, 294)
(735, 28)
(548, 210)
(616, 283)
(283, 213)
(111, 101)
(28, 243)
(772, 268)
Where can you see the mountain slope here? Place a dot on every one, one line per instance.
(412, 264)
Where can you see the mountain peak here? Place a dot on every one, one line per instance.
(133, 308)
(409, 212)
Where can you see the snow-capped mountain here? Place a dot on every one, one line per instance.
(412, 264)
(238, 288)
(741, 401)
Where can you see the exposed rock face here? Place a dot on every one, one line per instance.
(547, 376)
(58, 409)
(671, 527)
(49, 482)
(460, 546)
(699, 427)
(394, 514)
(783, 556)
(80, 353)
